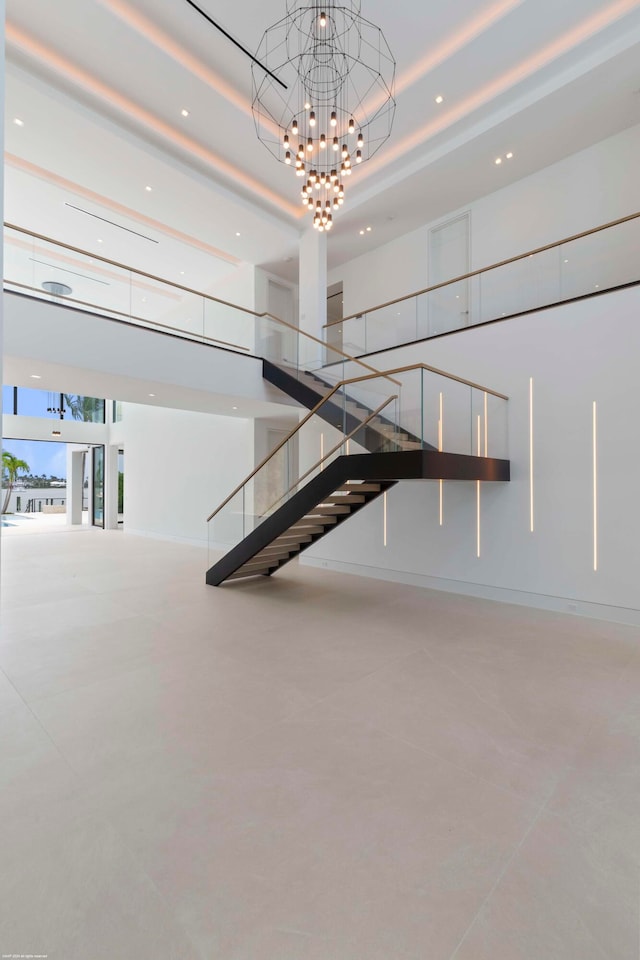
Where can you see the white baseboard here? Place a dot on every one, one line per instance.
(581, 608)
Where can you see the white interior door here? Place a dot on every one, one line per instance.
(449, 258)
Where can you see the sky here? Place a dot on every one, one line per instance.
(43, 456)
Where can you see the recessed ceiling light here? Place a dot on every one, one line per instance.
(99, 240)
(498, 160)
(184, 112)
(182, 273)
(144, 299)
(36, 376)
(509, 155)
(237, 234)
(234, 408)
(566, 261)
(152, 394)
(148, 189)
(368, 229)
(597, 286)
(439, 98)
(362, 233)
(18, 122)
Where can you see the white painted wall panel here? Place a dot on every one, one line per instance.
(576, 354)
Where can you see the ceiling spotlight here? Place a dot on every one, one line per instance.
(237, 233)
(18, 122)
(362, 233)
(509, 155)
(368, 229)
(36, 376)
(498, 160)
(148, 189)
(152, 394)
(184, 112)
(99, 240)
(439, 98)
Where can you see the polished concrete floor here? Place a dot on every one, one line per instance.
(312, 767)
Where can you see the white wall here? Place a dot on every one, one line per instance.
(584, 190)
(576, 354)
(179, 465)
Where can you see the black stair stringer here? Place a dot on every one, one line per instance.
(384, 468)
(332, 411)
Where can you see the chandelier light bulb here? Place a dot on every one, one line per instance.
(323, 19)
(360, 140)
(323, 141)
(285, 142)
(334, 119)
(345, 152)
(309, 144)
(335, 143)
(358, 156)
(352, 126)
(287, 157)
(301, 151)
(312, 119)
(307, 105)
(294, 126)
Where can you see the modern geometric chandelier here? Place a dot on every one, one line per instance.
(323, 97)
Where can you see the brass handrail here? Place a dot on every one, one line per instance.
(180, 286)
(336, 447)
(338, 386)
(493, 266)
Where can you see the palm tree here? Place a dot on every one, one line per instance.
(11, 467)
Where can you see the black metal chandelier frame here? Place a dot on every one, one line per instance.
(323, 101)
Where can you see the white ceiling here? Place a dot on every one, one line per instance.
(100, 85)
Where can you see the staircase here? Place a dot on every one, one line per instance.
(311, 509)
(342, 411)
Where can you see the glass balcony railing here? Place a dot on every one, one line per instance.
(595, 261)
(409, 408)
(41, 267)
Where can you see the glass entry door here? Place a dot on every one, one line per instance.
(97, 498)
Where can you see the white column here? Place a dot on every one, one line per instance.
(313, 292)
(75, 479)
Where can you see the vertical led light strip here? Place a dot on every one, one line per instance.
(595, 487)
(531, 453)
(478, 497)
(440, 449)
(384, 518)
(486, 426)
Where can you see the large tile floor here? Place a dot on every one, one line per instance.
(312, 767)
